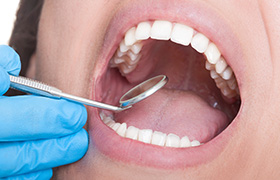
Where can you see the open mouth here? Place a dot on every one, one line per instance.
(200, 101)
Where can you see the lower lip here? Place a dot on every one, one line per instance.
(126, 150)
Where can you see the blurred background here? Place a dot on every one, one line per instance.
(8, 10)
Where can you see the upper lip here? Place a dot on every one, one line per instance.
(204, 19)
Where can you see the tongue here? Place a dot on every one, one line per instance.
(179, 112)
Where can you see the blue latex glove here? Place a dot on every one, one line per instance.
(36, 133)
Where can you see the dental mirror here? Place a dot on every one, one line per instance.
(143, 90)
(136, 94)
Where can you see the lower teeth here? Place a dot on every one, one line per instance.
(147, 135)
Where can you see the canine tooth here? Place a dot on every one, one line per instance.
(132, 56)
(214, 74)
(212, 53)
(143, 31)
(129, 38)
(185, 142)
(172, 140)
(123, 47)
(182, 34)
(116, 126)
(227, 73)
(200, 43)
(209, 66)
(145, 135)
(220, 65)
(136, 48)
(122, 129)
(158, 138)
(161, 30)
(195, 143)
(132, 132)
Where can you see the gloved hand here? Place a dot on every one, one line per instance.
(36, 133)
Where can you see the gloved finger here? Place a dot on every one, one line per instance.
(9, 64)
(44, 174)
(31, 117)
(24, 157)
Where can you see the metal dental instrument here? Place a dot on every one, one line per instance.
(136, 94)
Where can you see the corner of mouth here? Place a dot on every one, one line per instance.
(207, 23)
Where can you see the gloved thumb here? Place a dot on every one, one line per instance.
(9, 64)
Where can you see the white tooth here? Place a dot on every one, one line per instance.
(232, 84)
(118, 60)
(111, 124)
(212, 53)
(122, 129)
(123, 47)
(143, 31)
(195, 143)
(221, 65)
(214, 74)
(209, 66)
(119, 53)
(132, 56)
(145, 135)
(158, 138)
(136, 48)
(161, 30)
(182, 34)
(227, 73)
(107, 120)
(226, 91)
(172, 140)
(102, 115)
(132, 132)
(185, 142)
(116, 126)
(129, 38)
(200, 43)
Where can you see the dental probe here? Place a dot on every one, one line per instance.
(134, 95)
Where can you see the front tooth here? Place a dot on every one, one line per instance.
(182, 34)
(195, 143)
(122, 129)
(212, 53)
(172, 140)
(227, 73)
(158, 138)
(200, 43)
(136, 48)
(132, 132)
(221, 65)
(123, 47)
(145, 135)
(129, 38)
(161, 30)
(143, 31)
(185, 142)
(115, 126)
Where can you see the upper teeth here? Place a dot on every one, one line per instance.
(128, 53)
(147, 135)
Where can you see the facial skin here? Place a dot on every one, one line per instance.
(69, 56)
